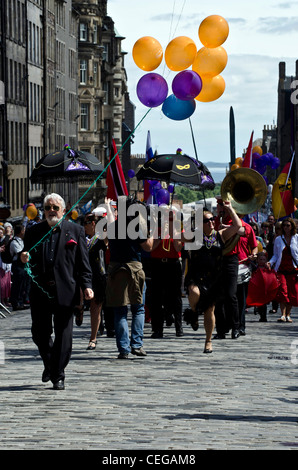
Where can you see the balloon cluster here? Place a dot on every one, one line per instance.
(260, 161)
(203, 83)
(160, 195)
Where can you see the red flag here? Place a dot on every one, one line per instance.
(115, 178)
(283, 192)
(247, 162)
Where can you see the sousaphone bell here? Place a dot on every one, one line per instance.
(246, 190)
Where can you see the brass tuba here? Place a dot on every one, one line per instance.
(245, 189)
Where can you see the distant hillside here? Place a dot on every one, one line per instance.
(216, 164)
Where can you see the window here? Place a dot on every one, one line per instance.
(83, 71)
(95, 117)
(83, 32)
(84, 116)
(106, 52)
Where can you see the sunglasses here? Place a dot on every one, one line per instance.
(206, 221)
(48, 208)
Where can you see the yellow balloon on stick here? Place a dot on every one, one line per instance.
(180, 53)
(239, 161)
(31, 212)
(235, 166)
(213, 31)
(147, 53)
(257, 149)
(212, 88)
(210, 61)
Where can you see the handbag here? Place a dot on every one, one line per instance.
(244, 274)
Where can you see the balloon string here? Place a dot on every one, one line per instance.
(27, 265)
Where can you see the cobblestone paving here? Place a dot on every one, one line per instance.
(243, 396)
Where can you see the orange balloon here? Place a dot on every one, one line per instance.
(31, 212)
(180, 53)
(239, 161)
(235, 166)
(74, 214)
(213, 31)
(210, 61)
(147, 53)
(212, 88)
(257, 149)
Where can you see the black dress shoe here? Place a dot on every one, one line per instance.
(59, 385)
(235, 334)
(45, 376)
(219, 336)
(179, 332)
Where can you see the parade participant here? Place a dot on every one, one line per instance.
(166, 277)
(125, 283)
(204, 279)
(247, 249)
(58, 259)
(285, 263)
(96, 249)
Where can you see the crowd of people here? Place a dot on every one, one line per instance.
(60, 267)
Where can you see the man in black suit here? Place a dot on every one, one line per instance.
(58, 262)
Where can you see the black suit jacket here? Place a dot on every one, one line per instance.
(71, 268)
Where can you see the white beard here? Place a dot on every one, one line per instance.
(52, 221)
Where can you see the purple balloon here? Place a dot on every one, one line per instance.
(275, 163)
(152, 90)
(187, 85)
(171, 188)
(162, 197)
(130, 173)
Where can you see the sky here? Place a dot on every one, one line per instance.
(261, 34)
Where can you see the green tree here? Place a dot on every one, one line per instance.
(190, 195)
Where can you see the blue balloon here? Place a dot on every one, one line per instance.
(177, 109)
(162, 197)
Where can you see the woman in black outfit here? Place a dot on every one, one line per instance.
(204, 277)
(96, 248)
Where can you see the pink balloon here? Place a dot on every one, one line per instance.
(187, 85)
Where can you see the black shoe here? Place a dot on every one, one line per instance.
(157, 334)
(123, 356)
(179, 332)
(219, 336)
(242, 332)
(59, 385)
(235, 334)
(46, 376)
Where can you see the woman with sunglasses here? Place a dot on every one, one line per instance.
(96, 248)
(285, 263)
(204, 276)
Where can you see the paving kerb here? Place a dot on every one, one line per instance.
(243, 396)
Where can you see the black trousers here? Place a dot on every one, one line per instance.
(226, 311)
(166, 280)
(48, 317)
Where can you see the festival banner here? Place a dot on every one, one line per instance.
(247, 162)
(283, 192)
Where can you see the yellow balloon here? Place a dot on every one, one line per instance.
(212, 88)
(235, 166)
(210, 61)
(31, 212)
(180, 53)
(257, 149)
(147, 53)
(213, 31)
(74, 215)
(239, 161)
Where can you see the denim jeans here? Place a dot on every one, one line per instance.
(122, 331)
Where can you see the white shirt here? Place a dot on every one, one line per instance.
(16, 246)
(278, 248)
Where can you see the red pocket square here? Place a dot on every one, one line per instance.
(71, 242)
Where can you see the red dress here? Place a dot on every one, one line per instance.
(287, 275)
